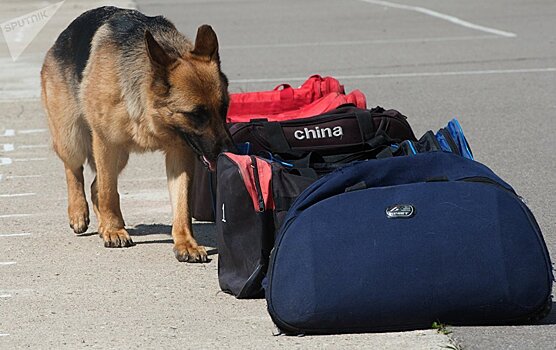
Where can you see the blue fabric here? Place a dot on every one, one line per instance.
(443, 143)
(471, 254)
(456, 131)
(412, 147)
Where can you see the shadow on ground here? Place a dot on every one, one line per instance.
(551, 318)
(205, 233)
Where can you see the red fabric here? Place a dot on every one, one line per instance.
(283, 98)
(322, 105)
(247, 172)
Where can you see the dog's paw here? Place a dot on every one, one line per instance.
(186, 253)
(79, 220)
(116, 238)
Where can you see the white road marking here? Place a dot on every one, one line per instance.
(361, 42)
(403, 75)
(8, 132)
(6, 263)
(28, 159)
(4, 334)
(18, 176)
(5, 161)
(16, 195)
(32, 146)
(5, 296)
(8, 147)
(7, 235)
(442, 16)
(15, 216)
(31, 131)
(22, 176)
(12, 132)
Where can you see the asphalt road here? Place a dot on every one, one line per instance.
(493, 67)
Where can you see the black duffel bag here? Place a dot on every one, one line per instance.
(252, 200)
(337, 137)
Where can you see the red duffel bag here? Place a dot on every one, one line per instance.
(282, 98)
(324, 104)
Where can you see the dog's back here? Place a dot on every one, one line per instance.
(72, 48)
(124, 28)
(64, 72)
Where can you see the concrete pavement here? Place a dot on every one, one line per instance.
(62, 291)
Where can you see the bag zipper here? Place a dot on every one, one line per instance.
(375, 112)
(314, 120)
(257, 183)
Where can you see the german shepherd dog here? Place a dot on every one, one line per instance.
(117, 81)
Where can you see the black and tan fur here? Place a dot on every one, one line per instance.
(117, 81)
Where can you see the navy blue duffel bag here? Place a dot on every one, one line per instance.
(403, 242)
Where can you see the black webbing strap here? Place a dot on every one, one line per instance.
(308, 172)
(428, 143)
(385, 153)
(303, 162)
(366, 126)
(276, 138)
(450, 140)
(381, 138)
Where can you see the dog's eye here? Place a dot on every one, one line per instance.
(198, 116)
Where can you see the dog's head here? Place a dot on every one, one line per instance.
(190, 94)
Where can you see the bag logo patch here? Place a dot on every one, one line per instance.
(400, 211)
(318, 133)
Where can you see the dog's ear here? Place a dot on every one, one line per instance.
(206, 43)
(156, 53)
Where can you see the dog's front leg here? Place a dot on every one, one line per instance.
(180, 166)
(110, 160)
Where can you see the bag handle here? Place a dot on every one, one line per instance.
(276, 138)
(286, 91)
(366, 125)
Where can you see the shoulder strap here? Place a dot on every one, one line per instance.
(366, 125)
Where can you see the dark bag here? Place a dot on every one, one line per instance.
(448, 139)
(403, 242)
(321, 143)
(252, 199)
(204, 185)
(345, 129)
